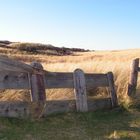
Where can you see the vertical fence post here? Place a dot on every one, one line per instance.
(114, 99)
(133, 77)
(80, 90)
(37, 83)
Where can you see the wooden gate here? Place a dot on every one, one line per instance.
(18, 75)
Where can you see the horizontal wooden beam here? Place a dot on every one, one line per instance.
(18, 80)
(65, 80)
(7, 64)
(14, 109)
(96, 80)
(24, 109)
(14, 80)
(59, 106)
(59, 80)
(138, 69)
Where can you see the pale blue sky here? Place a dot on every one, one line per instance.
(89, 24)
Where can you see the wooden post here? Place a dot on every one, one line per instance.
(133, 77)
(37, 83)
(80, 90)
(113, 94)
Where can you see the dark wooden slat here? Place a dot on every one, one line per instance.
(58, 106)
(56, 80)
(113, 94)
(13, 65)
(14, 109)
(17, 80)
(59, 80)
(97, 104)
(14, 80)
(133, 77)
(24, 109)
(138, 69)
(96, 80)
(37, 83)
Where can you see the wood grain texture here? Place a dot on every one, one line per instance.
(112, 90)
(80, 90)
(25, 109)
(138, 69)
(57, 79)
(96, 80)
(14, 80)
(37, 83)
(133, 77)
(17, 80)
(14, 109)
(7, 64)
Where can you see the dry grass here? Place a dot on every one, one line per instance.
(98, 62)
(118, 62)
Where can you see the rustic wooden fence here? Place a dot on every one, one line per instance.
(133, 77)
(18, 75)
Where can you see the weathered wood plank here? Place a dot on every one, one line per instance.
(80, 90)
(138, 69)
(59, 106)
(13, 65)
(57, 79)
(24, 109)
(133, 77)
(99, 104)
(14, 109)
(14, 80)
(96, 80)
(113, 94)
(37, 83)
(17, 80)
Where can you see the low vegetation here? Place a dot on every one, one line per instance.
(101, 125)
(37, 48)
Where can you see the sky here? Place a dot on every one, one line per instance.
(88, 24)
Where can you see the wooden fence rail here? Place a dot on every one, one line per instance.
(18, 75)
(18, 80)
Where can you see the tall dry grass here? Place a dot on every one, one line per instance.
(94, 62)
(119, 62)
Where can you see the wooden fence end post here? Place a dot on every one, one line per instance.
(113, 94)
(37, 83)
(133, 77)
(80, 90)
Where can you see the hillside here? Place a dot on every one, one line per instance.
(36, 48)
